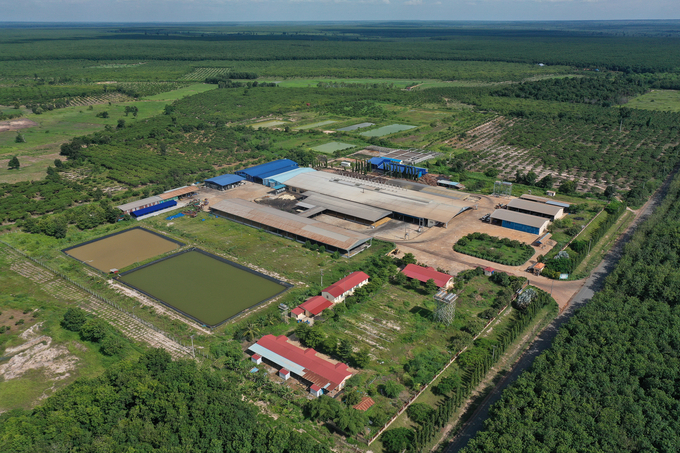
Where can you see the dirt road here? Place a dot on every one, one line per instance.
(594, 283)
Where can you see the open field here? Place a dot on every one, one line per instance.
(387, 130)
(202, 286)
(332, 147)
(314, 125)
(120, 250)
(664, 100)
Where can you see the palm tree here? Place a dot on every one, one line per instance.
(250, 331)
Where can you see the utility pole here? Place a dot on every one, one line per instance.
(193, 351)
(321, 277)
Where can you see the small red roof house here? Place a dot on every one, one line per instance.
(297, 313)
(424, 274)
(284, 373)
(345, 287)
(365, 404)
(315, 305)
(538, 268)
(488, 271)
(315, 390)
(257, 358)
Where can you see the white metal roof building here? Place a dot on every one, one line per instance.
(281, 178)
(536, 209)
(292, 226)
(344, 207)
(425, 208)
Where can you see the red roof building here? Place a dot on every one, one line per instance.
(297, 313)
(315, 305)
(424, 274)
(345, 287)
(302, 362)
(488, 271)
(365, 404)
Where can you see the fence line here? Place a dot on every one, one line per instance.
(184, 348)
(426, 386)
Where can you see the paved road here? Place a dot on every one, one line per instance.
(594, 283)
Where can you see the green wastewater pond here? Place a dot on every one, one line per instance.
(203, 286)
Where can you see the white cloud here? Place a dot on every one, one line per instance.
(414, 2)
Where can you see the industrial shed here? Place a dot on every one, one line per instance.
(545, 200)
(422, 208)
(321, 375)
(132, 206)
(292, 226)
(176, 194)
(281, 178)
(520, 222)
(316, 204)
(536, 209)
(155, 208)
(259, 172)
(224, 182)
(394, 166)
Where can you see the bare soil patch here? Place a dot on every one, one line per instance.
(16, 124)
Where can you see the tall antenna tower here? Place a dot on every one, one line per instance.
(446, 307)
(502, 189)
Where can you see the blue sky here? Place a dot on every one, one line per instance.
(313, 10)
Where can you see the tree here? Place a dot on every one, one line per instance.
(73, 320)
(20, 138)
(530, 178)
(121, 124)
(409, 258)
(362, 358)
(323, 408)
(315, 337)
(112, 345)
(609, 192)
(397, 440)
(414, 284)
(420, 413)
(345, 349)
(103, 114)
(94, 330)
(352, 397)
(58, 163)
(430, 286)
(392, 389)
(250, 331)
(546, 182)
(401, 278)
(567, 187)
(491, 172)
(14, 163)
(351, 421)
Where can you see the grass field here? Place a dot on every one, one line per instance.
(332, 147)
(387, 130)
(58, 126)
(665, 100)
(314, 125)
(73, 358)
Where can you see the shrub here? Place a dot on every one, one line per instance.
(397, 440)
(74, 318)
(392, 389)
(419, 413)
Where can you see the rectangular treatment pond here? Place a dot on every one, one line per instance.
(202, 286)
(122, 249)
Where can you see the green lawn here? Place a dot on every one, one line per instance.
(665, 100)
(20, 294)
(59, 126)
(494, 249)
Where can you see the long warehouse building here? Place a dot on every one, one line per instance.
(420, 207)
(520, 222)
(292, 226)
(536, 209)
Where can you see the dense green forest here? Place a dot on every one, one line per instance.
(153, 404)
(610, 381)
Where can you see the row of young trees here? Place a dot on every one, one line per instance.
(610, 380)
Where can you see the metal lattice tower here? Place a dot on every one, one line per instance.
(446, 307)
(502, 189)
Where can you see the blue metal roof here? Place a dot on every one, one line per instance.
(279, 186)
(154, 208)
(557, 203)
(225, 180)
(268, 169)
